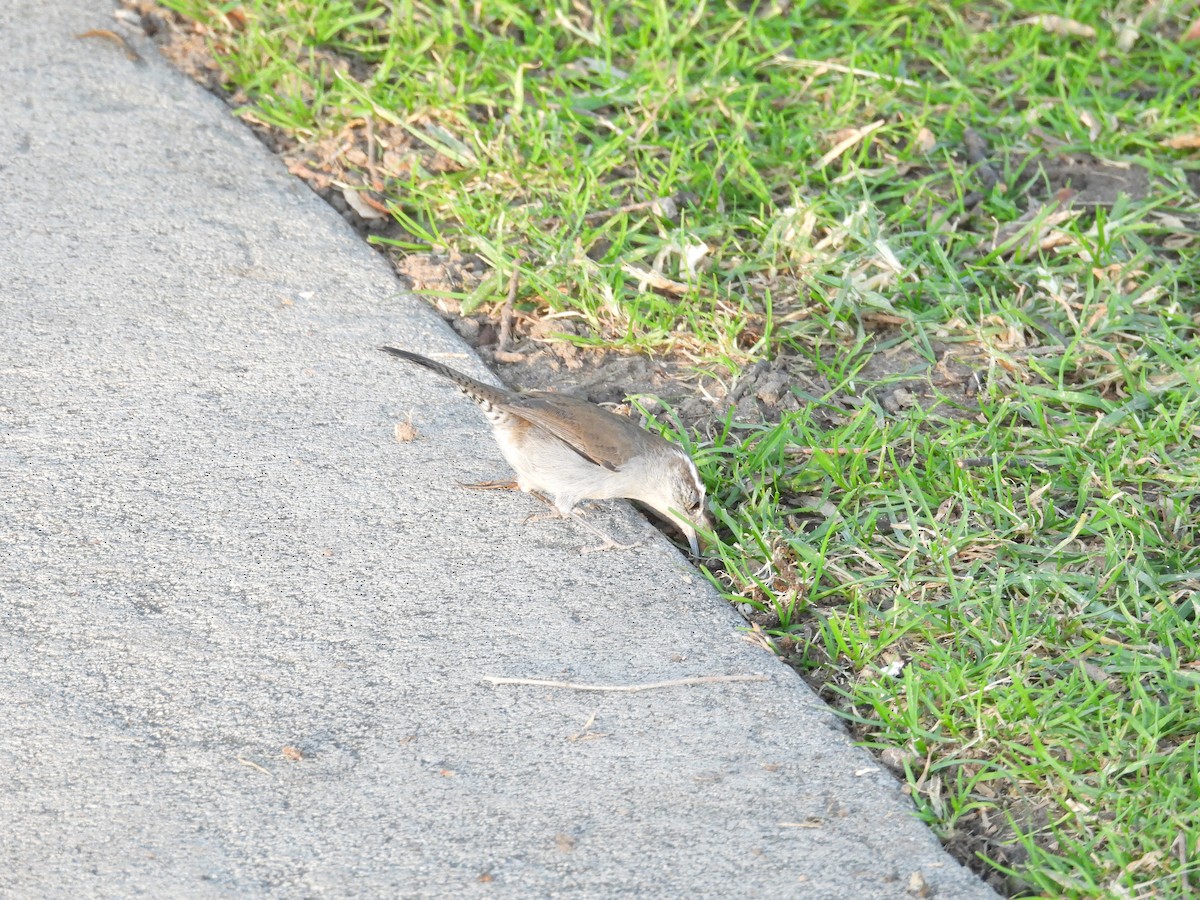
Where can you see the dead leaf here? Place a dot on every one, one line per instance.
(1189, 141)
(917, 886)
(564, 842)
(236, 18)
(1061, 26)
(406, 432)
(300, 169)
(1127, 36)
(362, 203)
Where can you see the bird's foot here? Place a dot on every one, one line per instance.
(609, 542)
(552, 511)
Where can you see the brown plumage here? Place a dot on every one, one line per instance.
(573, 450)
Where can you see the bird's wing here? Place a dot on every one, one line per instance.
(601, 437)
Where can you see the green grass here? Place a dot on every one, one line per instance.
(994, 576)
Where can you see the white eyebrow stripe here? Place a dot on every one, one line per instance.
(695, 475)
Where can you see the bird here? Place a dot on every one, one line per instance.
(565, 450)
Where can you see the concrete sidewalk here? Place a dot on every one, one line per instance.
(244, 631)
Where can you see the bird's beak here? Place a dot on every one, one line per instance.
(695, 540)
(699, 542)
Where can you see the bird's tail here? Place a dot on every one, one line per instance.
(483, 394)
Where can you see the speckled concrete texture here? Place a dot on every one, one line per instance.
(244, 630)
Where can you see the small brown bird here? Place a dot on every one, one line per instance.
(572, 450)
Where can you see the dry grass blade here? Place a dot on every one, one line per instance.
(822, 65)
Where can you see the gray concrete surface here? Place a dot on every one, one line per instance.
(212, 548)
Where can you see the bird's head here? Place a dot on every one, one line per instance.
(677, 493)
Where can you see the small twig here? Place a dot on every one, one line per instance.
(832, 451)
(118, 39)
(975, 462)
(627, 688)
(585, 733)
(506, 314)
(507, 356)
(660, 205)
(372, 174)
(824, 65)
(655, 280)
(254, 765)
(508, 485)
(1180, 846)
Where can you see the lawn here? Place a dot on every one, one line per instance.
(923, 280)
